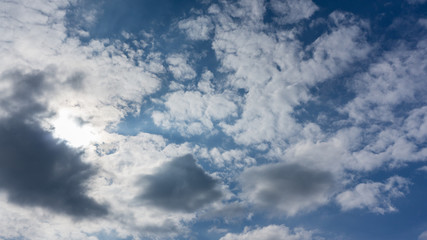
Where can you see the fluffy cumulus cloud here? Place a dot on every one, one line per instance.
(395, 79)
(228, 158)
(272, 70)
(374, 196)
(179, 67)
(391, 99)
(197, 29)
(290, 188)
(291, 11)
(279, 232)
(194, 113)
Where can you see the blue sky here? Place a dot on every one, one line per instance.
(229, 120)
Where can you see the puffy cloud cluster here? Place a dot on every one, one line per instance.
(374, 196)
(292, 11)
(194, 113)
(199, 28)
(276, 76)
(179, 67)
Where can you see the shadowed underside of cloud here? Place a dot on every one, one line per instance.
(288, 187)
(179, 185)
(37, 170)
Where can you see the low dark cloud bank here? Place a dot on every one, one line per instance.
(35, 168)
(179, 185)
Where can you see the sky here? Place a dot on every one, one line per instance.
(213, 119)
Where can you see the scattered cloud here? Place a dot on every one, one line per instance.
(194, 113)
(374, 196)
(292, 11)
(230, 159)
(179, 67)
(397, 78)
(199, 28)
(272, 71)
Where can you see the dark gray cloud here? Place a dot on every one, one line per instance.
(24, 92)
(288, 187)
(35, 168)
(179, 185)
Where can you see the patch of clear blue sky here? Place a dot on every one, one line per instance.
(158, 16)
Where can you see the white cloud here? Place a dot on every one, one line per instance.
(398, 77)
(38, 224)
(272, 70)
(292, 11)
(353, 148)
(199, 28)
(229, 158)
(276, 232)
(193, 113)
(415, 125)
(374, 196)
(178, 65)
(205, 85)
(387, 117)
(334, 52)
(332, 153)
(249, 10)
(384, 92)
